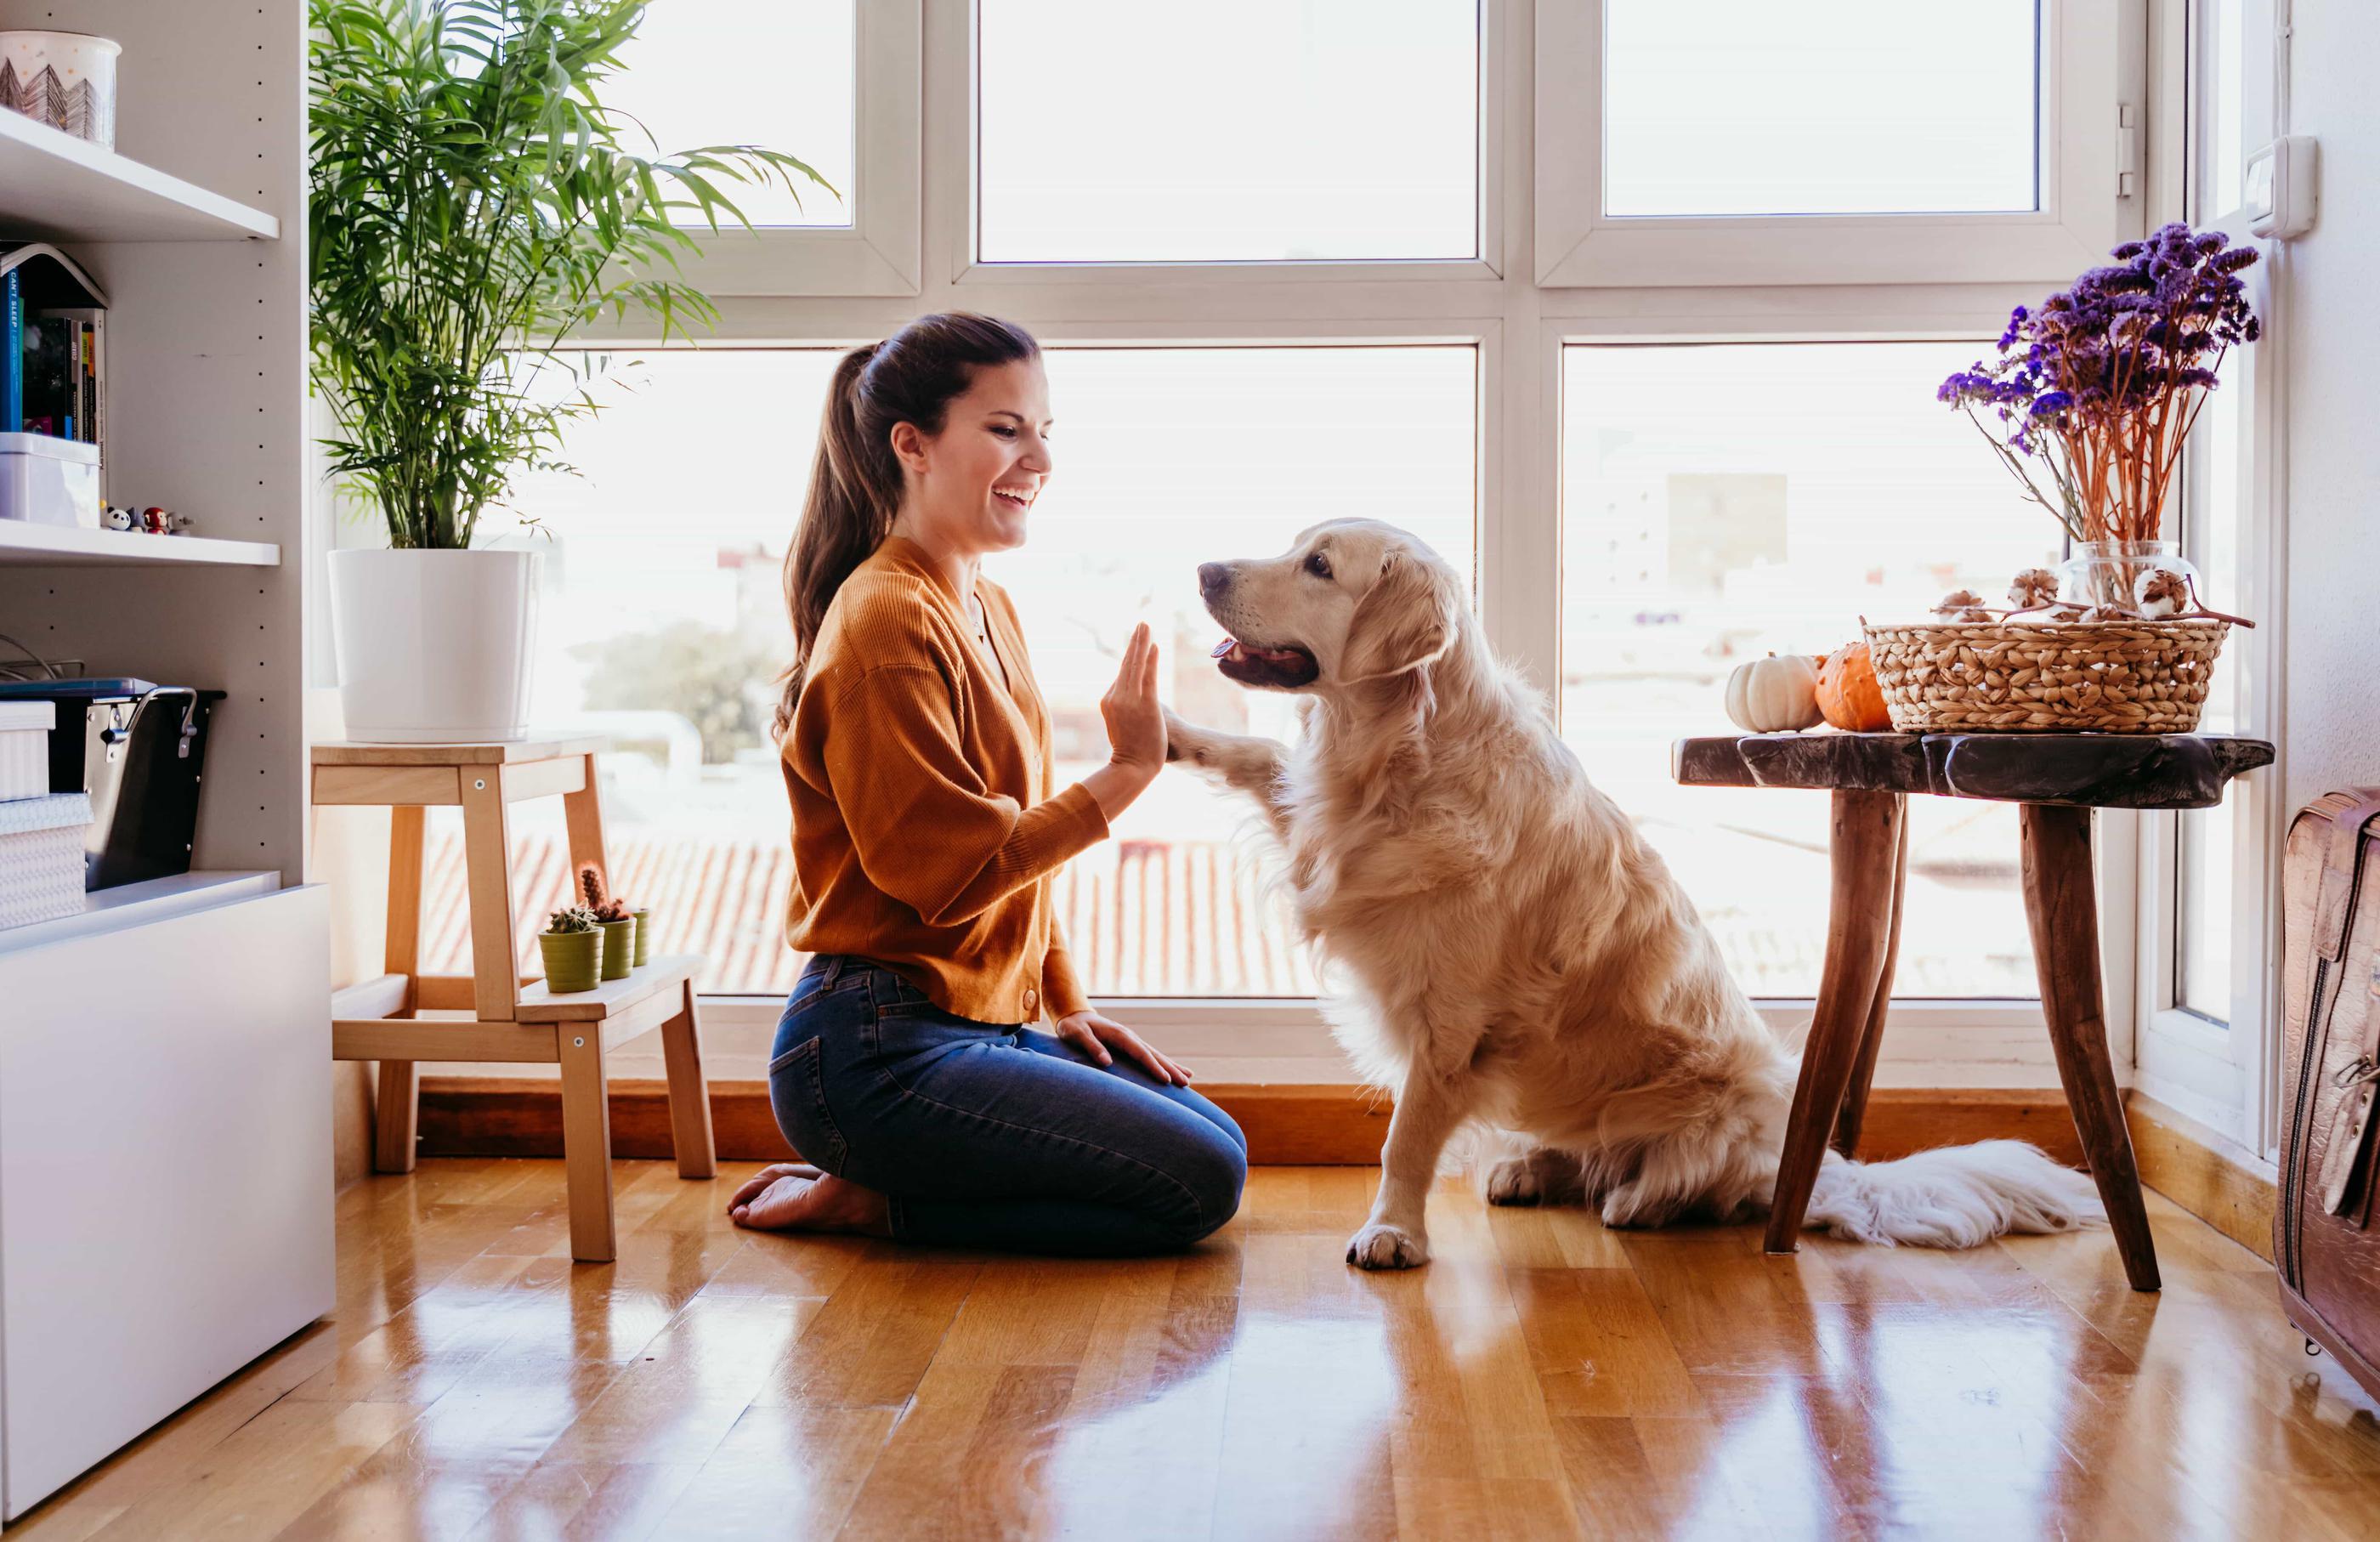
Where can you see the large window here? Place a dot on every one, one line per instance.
(1279, 257)
(1724, 503)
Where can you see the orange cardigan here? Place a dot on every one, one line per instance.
(925, 832)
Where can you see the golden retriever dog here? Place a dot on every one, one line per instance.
(1513, 955)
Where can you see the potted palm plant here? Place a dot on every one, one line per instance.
(473, 202)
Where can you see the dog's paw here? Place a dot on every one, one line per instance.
(1630, 1207)
(1517, 1181)
(1380, 1246)
(1543, 1175)
(1186, 741)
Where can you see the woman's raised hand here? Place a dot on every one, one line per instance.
(1135, 721)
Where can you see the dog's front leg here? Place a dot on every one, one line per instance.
(1429, 1106)
(1251, 764)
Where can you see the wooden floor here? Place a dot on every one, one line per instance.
(1543, 1376)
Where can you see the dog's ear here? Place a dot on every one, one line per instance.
(1407, 620)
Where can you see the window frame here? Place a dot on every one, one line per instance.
(879, 252)
(957, 143)
(2093, 118)
(1519, 326)
(2227, 1075)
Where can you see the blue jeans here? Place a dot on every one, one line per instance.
(984, 1136)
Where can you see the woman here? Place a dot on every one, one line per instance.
(916, 754)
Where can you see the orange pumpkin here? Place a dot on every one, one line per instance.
(1849, 697)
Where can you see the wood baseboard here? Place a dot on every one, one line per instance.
(502, 1116)
(1287, 1124)
(2191, 1165)
(1343, 1125)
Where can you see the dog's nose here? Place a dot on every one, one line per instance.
(1214, 577)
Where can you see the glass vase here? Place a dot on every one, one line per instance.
(2105, 575)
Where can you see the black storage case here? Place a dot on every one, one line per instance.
(138, 751)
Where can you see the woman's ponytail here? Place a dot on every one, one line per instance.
(856, 484)
(844, 517)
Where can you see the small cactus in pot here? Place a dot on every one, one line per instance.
(572, 944)
(612, 916)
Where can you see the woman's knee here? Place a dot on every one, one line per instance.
(1215, 1170)
(1231, 1127)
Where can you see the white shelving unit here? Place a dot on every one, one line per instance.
(57, 187)
(23, 545)
(130, 906)
(181, 1027)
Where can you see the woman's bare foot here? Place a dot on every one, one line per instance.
(795, 1196)
(758, 1182)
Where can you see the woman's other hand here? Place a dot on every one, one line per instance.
(1135, 721)
(1101, 1039)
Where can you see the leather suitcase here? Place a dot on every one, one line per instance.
(2324, 1243)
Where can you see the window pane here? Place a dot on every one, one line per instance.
(774, 73)
(1822, 107)
(1250, 131)
(663, 626)
(2204, 875)
(2211, 540)
(1723, 502)
(2221, 81)
(1167, 457)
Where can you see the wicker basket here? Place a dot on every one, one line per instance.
(2046, 677)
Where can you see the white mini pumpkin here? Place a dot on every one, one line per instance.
(1773, 695)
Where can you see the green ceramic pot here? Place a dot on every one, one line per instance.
(573, 959)
(644, 936)
(619, 947)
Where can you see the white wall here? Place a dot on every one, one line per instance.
(2329, 313)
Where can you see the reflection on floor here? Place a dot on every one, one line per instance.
(1543, 1376)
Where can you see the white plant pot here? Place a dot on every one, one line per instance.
(434, 647)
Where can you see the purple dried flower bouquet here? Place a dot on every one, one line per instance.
(2099, 386)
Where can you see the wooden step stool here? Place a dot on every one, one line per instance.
(513, 1018)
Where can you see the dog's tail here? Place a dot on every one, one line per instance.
(1957, 1197)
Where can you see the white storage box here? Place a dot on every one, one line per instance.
(49, 481)
(40, 858)
(25, 747)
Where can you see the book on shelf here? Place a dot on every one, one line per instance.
(53, 363)
(50, 389)
(85, 388)
(12, 387)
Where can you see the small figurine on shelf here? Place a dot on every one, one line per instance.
(615, 919)
(149, 521)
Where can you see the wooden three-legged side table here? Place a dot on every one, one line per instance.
(495, 1014)
(2057, 779)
